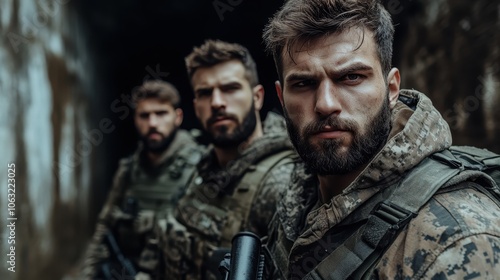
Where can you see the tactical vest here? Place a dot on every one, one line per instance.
(155, 197)
(155, 193)
(213, 220)
(161, 193)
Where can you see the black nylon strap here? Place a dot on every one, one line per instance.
(362, 249)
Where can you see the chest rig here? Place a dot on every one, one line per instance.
(212, 218)
(161, 190)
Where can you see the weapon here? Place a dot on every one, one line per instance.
(127, 268)
(245, 262)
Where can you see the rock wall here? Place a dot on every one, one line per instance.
(450, 49)
(45, 81)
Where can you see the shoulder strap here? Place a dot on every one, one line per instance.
(479, 159)
(251, 183)
(185, 160)
(362, 249)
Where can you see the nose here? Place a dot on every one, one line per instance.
(153, 120)
(327, 102)
(218, 100)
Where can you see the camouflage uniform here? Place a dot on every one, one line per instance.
(220, 202)
(156, 190)
(456, 235)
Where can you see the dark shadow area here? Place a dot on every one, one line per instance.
(137, 40)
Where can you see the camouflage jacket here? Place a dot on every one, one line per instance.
(155, 189)
(456, 235)
(213, 209)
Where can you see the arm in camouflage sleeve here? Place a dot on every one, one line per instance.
(473, 257)
(456, 235)
(265, 202)
(96, 251)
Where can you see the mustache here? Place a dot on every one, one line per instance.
(332, 121)
(219, 114)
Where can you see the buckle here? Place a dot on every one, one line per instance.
(386, 221)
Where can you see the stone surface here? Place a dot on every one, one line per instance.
(451, 50)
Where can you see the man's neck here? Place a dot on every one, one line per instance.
(154, 159)
(228, 154)
(333, 185)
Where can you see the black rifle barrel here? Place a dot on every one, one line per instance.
(245, 256)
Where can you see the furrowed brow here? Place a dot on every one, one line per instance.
(356, 67)
(298, 77)
(203, 89)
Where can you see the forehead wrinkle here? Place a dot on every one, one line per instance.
(339, 48)
(229, 70)
(313, 65)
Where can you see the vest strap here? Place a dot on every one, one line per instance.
(363, 249)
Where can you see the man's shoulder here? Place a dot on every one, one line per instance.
(276, 160)
(451, 226)
(125, 163)
(277, 169)
(188, 139)
(186, 147)
(453, 215)
(463, 209)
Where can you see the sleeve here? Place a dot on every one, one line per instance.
(96, 251)
(473, 257)
(273, 188)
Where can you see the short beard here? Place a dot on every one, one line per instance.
(240, 134)
(158, 147)
(328, 160)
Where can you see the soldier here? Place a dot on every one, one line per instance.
(151, 180)
(359, 136)
(239, 181)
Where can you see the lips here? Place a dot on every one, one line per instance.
(328, 132)
(154, 136)
(219, 120)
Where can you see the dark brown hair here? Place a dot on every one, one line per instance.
(162, 90)
(213, 52)
(302, 20)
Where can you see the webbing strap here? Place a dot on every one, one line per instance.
(362, 249)
(479, 159)
(249, 186)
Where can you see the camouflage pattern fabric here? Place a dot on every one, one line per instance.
(456, 235)
(206, 217)
(156, 192)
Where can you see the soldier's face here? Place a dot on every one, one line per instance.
(225, 103)
(336, 101)
(156, 122)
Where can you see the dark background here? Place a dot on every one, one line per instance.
(137, 40)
